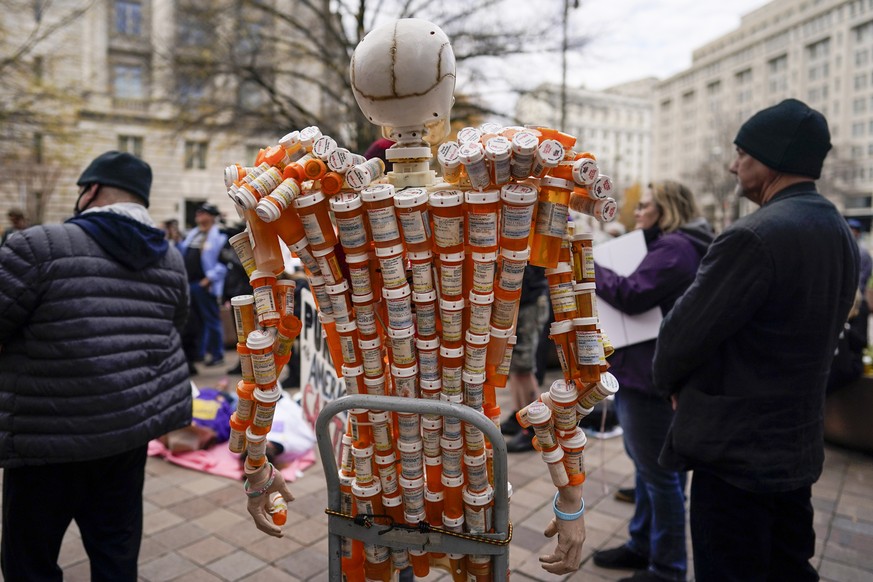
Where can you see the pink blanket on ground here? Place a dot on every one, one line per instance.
(218, 460)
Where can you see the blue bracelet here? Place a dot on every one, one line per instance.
(567, 516)
(263, 489)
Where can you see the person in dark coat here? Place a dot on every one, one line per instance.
(676, 238)
(745, 354)
(91, 369)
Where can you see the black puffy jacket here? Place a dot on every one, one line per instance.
(91, 363)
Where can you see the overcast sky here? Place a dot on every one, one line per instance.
(638, 38)
(630, 39)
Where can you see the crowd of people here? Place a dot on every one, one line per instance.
(93, 314)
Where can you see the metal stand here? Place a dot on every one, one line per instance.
(431, 541)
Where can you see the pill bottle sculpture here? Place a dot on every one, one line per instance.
(417, 281)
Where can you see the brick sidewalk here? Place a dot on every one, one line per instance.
(197, 528)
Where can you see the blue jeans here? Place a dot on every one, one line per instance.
(212, 336)
(657, 529)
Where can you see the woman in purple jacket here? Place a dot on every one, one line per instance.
(677, 239)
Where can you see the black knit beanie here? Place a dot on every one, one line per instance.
(788, 137)
(120, 170)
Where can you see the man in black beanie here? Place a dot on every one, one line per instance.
(91, 369)
(744, 355)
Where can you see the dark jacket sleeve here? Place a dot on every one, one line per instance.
(19, 290)
(731, 285)
(664, 272)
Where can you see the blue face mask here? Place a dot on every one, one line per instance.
(76, 210)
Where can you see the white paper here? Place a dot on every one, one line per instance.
(623, 255)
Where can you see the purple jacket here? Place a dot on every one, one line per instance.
(661, 278)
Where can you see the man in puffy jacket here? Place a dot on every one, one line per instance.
(91, 369)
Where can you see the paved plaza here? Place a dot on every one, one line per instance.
(197, 528)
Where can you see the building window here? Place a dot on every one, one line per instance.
(127, 81)
(128, 18)
(195, 155)
(131, 144)
(38, 148)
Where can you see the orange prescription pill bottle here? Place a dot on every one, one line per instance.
(431, 433)
(377, 563)
(452, 450)
(243, 316)
(452, 319)
(245, 362)
(510, 269)
(365, 312)
(303, 251)
(245, 407)
(452, 425)
(393, 266)
(551, 222)
(480, 313)
(452, 362)
(256, 447)
(328, 332)
(348, 338)
(472, 156)
(453, 504)
(602, 188)
(278, 508)
(540, 417)
(386, 465)
(412, 491)
(563, 397)
(586, 300)
(547, 155)
(353, 378)
(261, 345)
(314, 169)
(561, 292)
(398, 306)
(359, 273)
(271, 206)
(319, 294)
(524, 145)
(477, 509)
(323, 147)
(447, 214)
(425, 315)
(242, 246)
(589, 348)
(314, 214)
(290, 142)
(496, 347)
(262, 283)
(371, 355)
(405, 381)
(479, 272)
(340, 301)
(574, 455)
(265, 407)
(237, 441)
(585, 171)
(482, 220)
(284, 294)
(428, 358)
(348, 210)
(519, 202)
(362, 454)
(505, 309)
(421, 264)
(498, 151)
(582, 246)
(602, 210)
(379, 203)
(410, 205)
(402, 344)
(264, 243)
(474, 389)
(554, 459)
(448, 156)
(433, 502)
(363, 174)
(451, 271)
(477, 472)
(376, 386)
(607, 386)
(328, 264)
(563, 335)
(475, 349)
(479, 568)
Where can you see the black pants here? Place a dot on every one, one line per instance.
(104, 496)
(739, 536)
